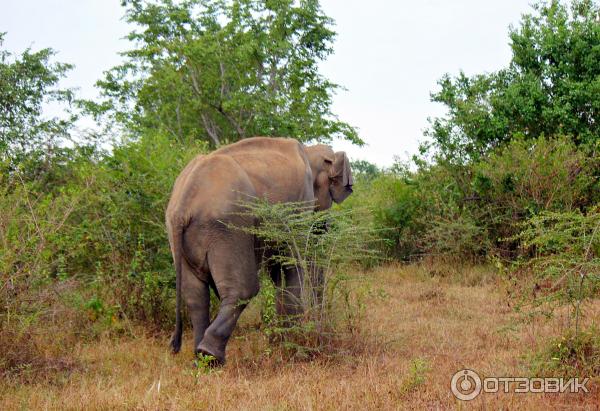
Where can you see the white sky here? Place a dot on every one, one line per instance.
(388, 54)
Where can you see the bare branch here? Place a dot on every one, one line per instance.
(211, 129)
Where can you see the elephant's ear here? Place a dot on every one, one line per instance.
(328, 165)
(342, 167)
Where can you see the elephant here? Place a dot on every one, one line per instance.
(206, 203)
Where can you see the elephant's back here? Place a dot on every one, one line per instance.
(277, 167)
(261, 145)
(210, 188)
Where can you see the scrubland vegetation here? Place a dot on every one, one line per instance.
(482, 253)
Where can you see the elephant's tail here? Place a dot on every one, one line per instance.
(177, 256)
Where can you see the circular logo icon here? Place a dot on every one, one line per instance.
(465, 385)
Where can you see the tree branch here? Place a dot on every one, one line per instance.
(211, 129)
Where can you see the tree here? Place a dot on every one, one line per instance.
(551, 87)
(27, 84)
(221, 71)
(365, 170)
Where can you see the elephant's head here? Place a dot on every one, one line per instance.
(332, 176)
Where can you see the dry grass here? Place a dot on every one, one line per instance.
(424, 327)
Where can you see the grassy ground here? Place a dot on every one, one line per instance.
(423, 325)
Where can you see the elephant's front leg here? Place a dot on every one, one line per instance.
(289, 301)
(316, 283)
(297, 290)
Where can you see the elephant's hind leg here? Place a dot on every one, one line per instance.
(233, 268)
(197, 298)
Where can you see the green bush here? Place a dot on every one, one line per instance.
(128, 240)
(388, 202)
(564, 260)
(419, 213)
(324, 246)
(525, 178)
(93, 224)
(560, 266)
(467, 212)
(569, 355)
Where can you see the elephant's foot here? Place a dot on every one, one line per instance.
(217, 354)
